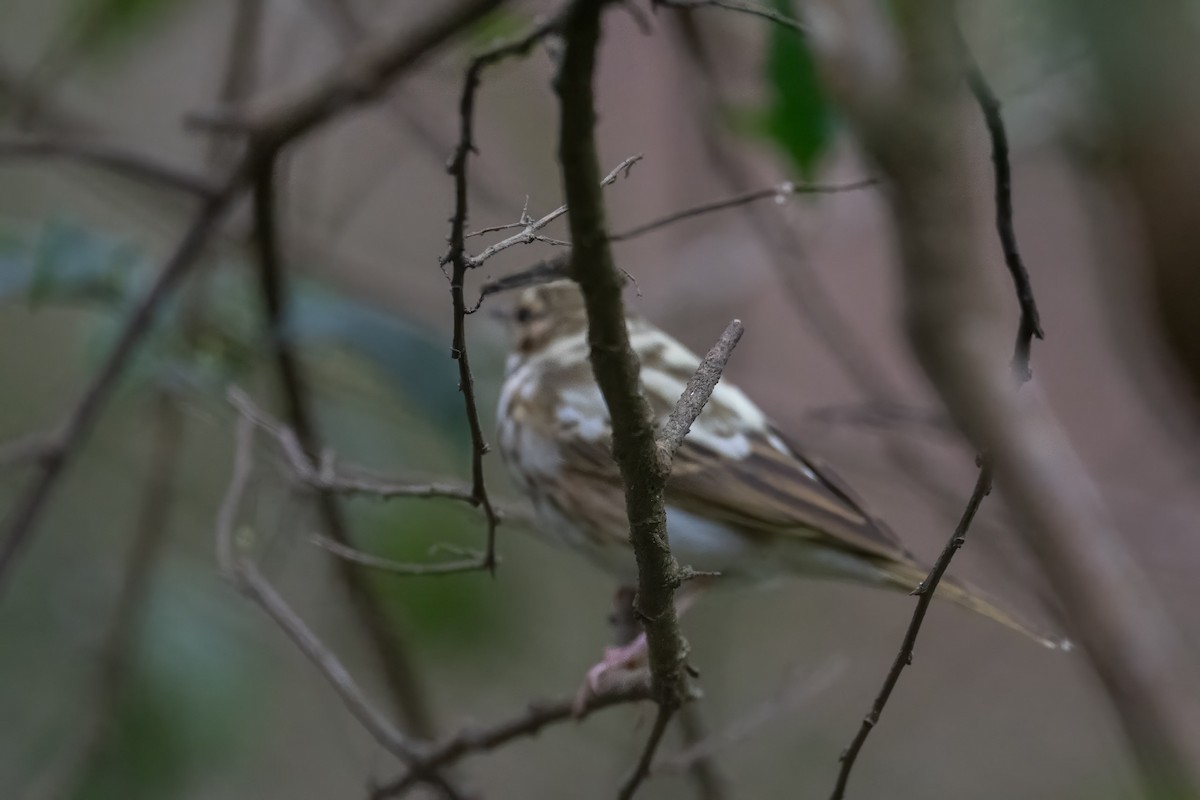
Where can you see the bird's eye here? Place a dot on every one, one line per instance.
(523, 314)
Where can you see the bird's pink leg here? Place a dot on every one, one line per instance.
(629, 656)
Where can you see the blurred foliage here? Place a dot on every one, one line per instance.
(210, 337)
(191, 698)
(798, 119)
(106, 26)
(457, 613)
(500, 25)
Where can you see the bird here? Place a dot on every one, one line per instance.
(742, 502)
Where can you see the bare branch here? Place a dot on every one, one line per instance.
(133, 165)
(528, 234)
(530, 722)
(234, 560)
(697, 392)
(1028, 327)
(643, 471)
(983, 485)
(323, 478)
(457, 257)
(390, 647)
(235, 563)
(642, 770)
(989, 106)
(779, 194)
(475, 563)
(550, 269)
(361, 77)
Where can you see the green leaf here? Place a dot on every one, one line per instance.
(798, 119)
(104, 24)
(500, 25)
(456, 613)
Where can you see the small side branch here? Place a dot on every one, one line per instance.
(779, 193)
(235, 563)
(697, 392)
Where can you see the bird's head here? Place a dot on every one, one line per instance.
(545, 314)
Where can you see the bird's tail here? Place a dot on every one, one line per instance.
(909, 576)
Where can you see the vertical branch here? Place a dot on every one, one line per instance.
(460, 262)
(989, 105)
(644, 460)
(383, 632)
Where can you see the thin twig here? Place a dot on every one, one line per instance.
(989, 106)
(642, 770)
(924, 593)
(529, 233)
(779, 193)
(323, 477)
(529, 722)
(473, 564)
(131, 164)
(234, 561)
(460, 263)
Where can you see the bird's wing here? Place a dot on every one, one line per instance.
(733, 467)
(774, 491)
(770, 491)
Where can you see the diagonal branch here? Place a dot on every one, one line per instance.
(134, 165)
(538, 715)
(361, 77)
(20, 522)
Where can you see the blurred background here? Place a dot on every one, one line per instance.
(129, 669)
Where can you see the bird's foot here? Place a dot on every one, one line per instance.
(620, 665)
